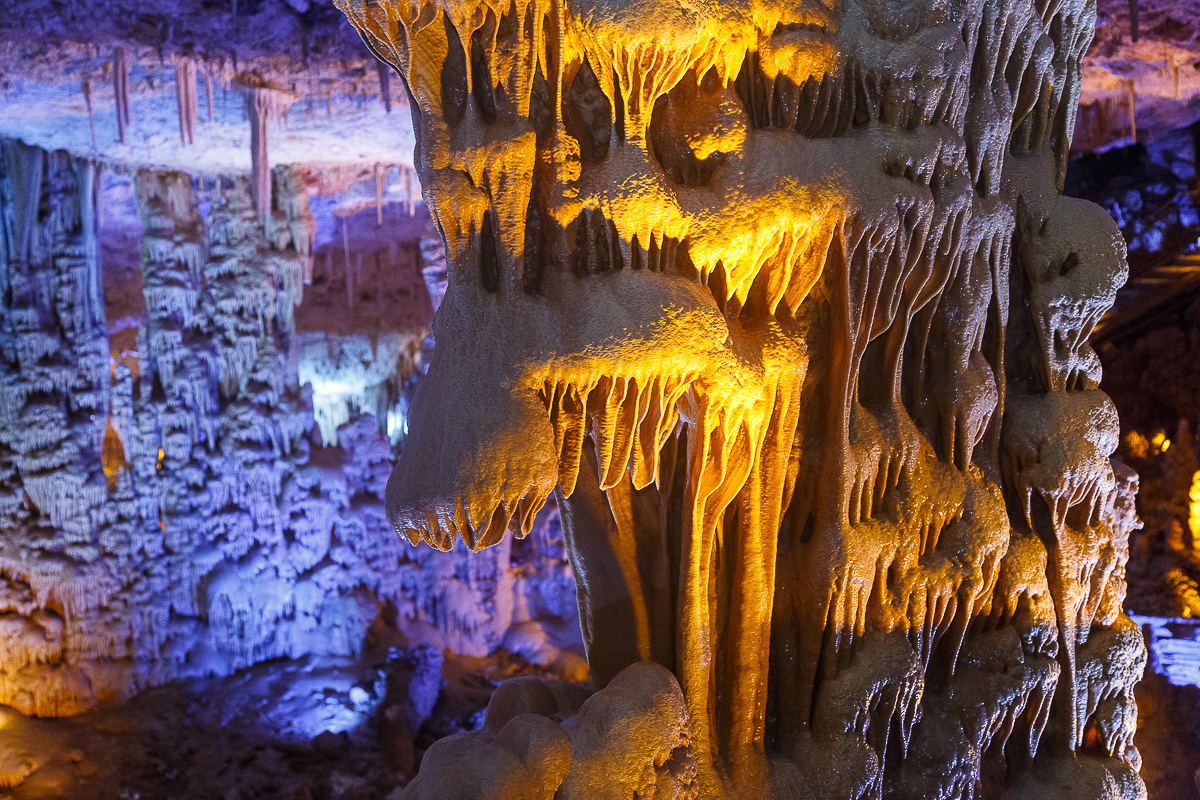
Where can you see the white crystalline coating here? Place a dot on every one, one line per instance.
(352, 373)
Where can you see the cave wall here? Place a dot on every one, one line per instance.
(168, 508)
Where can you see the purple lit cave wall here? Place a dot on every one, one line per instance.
(200, 413)
(218, 282)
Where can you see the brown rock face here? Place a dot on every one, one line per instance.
(784, 305)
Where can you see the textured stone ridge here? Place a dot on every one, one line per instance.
(783, 304)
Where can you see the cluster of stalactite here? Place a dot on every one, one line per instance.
(266, 101)
(785, 306)
(216, 72)
(171, 520)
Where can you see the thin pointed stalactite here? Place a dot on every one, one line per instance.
(264, 105)
(379, 180)
(87, 177)
(186, 98)
(408, 179)
(385, 84)
(87, 99)
(1131, 97)
(346, 261)
(121, 90)
(208, 90)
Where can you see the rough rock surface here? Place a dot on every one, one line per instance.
(784, 306)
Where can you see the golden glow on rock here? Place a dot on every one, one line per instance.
(1194, 510)
(1137, 445)
(1186, 591)
(783, 305)
(112, 455)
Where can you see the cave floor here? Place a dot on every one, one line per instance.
(309, 730)
(293, 730)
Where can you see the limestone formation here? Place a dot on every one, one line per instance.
(120, 75)
(385, 85)
(186, 97)
(782, 303)
(176, 516)
(264, 104)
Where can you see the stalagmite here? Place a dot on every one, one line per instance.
(121, 90)
(784, 307)
(186, 95)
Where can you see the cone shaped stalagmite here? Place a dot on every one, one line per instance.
(783, 304)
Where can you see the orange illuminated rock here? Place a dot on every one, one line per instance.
(783, 304)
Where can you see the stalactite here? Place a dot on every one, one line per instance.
(87, 99)
(385, 84)
(208, 90)
(796, 331)
(263, 106)
(186, 97)
(349, 269)
(411, 189)
(87, 177)
(121, 90)
(24, 167)
(1132, 108)
(379, 178)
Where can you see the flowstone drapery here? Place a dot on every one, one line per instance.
(783, 304)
